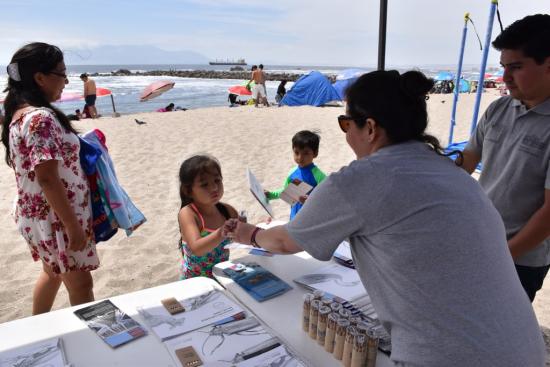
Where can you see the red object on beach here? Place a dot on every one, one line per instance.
(156, 89)
(240, 90)
(72, 96)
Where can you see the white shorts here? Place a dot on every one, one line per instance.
(258, 91)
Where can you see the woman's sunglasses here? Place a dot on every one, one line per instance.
(63, 75)
(345, 120)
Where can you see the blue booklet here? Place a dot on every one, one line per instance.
(110, 323)
(260, 283)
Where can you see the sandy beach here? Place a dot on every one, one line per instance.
(147, 159)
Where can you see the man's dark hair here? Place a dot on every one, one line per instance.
(83, 76)
(261, 66)
(306, 139)
(531, 35)
(254, 67)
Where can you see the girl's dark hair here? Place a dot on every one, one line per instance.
(193, 167)
(30, 59)
(396, 102)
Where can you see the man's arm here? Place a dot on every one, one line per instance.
(536, 230)
(85, 88)
(275, 239)
(470, 160)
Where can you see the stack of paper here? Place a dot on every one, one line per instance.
(240, 343)
(47, 353)
(200, 311)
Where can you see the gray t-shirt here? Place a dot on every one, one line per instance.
(514, 145)
(431, 250)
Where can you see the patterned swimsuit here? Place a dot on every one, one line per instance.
(196, 266)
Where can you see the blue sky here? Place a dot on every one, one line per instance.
(343, 32)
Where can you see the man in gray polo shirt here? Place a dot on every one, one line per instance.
(513, 141)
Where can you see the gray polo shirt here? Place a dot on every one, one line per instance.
(514, 145)
(430, 248)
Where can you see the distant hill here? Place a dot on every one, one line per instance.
(131, 54)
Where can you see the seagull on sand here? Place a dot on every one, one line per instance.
(139, 122)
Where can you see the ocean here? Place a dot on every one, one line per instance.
(187, 93)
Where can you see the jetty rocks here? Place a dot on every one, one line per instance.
(204, 74)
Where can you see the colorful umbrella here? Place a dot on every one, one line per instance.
(156, 89)
(73, 96)
(240, 90)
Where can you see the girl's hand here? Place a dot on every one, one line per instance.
(239, 231)
(77, 238)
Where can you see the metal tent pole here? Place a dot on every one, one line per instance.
(382, 34)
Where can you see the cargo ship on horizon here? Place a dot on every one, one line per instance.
(228, 62)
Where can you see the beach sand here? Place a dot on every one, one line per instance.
(147, 159)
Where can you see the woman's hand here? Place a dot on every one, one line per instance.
(239, 231)
(77, 237)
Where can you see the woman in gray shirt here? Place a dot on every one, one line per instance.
(427, 243)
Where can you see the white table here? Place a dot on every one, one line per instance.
(84, 348)
(283, 314)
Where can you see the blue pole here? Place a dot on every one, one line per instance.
(483, 64)
(458, 74)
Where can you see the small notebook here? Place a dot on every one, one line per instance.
(260, 283)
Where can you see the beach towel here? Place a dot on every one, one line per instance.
(127, 215)
(103, 225)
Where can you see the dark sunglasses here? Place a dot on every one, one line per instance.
(345, 120)
(63, 75)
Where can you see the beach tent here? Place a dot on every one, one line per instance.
(444, 75)
(345, 79)
(312, 89)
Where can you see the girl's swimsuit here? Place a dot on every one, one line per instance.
(195, 266)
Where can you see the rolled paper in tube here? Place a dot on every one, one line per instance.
(362, 328)
(351, 332)
(314, 318)
(354, 320)
(359, 352)
(336, 306)
(306, 310)
(340, 337)
(317, 294)
(322, 324)
(326, 301)
(344, 313)
(331, 332)
(372, 349)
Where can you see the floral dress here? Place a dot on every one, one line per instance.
(197, 266)
(37, 137)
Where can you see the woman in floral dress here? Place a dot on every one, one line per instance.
(52, 209)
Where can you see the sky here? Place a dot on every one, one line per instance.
(281, 32)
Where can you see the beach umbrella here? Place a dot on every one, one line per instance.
(156, 89)
(240, 90)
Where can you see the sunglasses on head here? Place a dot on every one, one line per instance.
(345, 120)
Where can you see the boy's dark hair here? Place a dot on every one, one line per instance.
(531, 35)
(306, 139)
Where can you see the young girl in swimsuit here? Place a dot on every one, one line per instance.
(202, 216)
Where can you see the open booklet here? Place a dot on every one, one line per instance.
(202, 310)
(295, 189)
(258, 191)
(46, 353)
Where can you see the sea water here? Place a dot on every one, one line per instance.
(187, 93)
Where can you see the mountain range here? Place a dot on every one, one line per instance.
(131, 54)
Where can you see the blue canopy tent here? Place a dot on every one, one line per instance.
(345, 79)
(312, 89)
(444, 75)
